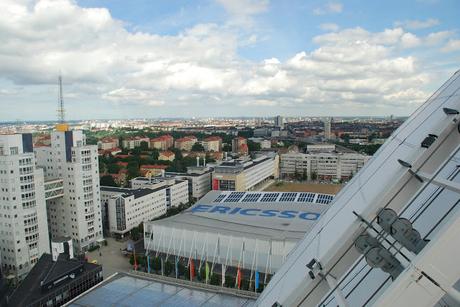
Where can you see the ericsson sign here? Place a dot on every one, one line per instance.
(286, 214)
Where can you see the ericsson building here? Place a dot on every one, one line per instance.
(247, 230)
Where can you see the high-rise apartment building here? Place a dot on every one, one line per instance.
(23, 224)
(78, 212)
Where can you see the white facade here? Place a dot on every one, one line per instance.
(23, 224)
(132, 143)
(199, 180)
(176, 191)
(127, 208)
(323, 165)
(78, 213)
(60, 246)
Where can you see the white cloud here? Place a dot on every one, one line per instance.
(329, 8)
(417, 24)
(329, 27)
(102, 61)
(242, 11)
(452, 45)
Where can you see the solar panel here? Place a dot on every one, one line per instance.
(269, 197)
(234, 197)
(324, 199)
(220, 198)
(251, 197)
(289, 196)
(306, 197)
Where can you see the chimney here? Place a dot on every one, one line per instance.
(197, 161)
(204, 161)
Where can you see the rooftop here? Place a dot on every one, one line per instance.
(126, 290)
(127, 192)
(45, 272)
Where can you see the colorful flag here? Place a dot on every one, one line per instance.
(207, 272)
(257, 280)
(135, 260)
(177, 267)
(148, 263)
(162, 266)
(191, 268)
(223, 274)
(238, 278)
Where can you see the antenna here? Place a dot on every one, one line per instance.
(61, 111)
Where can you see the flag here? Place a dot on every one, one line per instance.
(207, 272)
(162, 266)
(257, 280)
(148, 263)
(223, 274)
(135, 260)
(177, 267)
(238, 278)
(191, 268)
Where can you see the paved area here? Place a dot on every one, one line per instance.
(111, 258)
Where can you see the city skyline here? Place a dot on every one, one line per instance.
(223, 58)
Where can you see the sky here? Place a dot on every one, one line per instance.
(209, 58)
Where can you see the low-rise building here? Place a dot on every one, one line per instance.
(163, 142)
(176, 189)
(125, 208)
(264, 143)
(185, 143)
(53, 283)
(212, 143)
(244, 175)
(149, 170)
(166, 156)
(133, 142)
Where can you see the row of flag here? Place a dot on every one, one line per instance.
(208, 273)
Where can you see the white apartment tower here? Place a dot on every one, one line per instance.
(23, 224)
(77, 213)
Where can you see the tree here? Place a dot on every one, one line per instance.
(144, 146)
(155, 154)
(177, 153)
(314, 175)
(133, 172)
(253, 146)
(107, 180)
(197, 147)
(169, 267)
(227, 147)
(113, 168)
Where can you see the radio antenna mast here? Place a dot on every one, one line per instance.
(61, 111)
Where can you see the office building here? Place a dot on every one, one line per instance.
(245, 174)
(199, 180)
(327, 128)
(279, 121)
(78, 212)
(251, 230)
(322, 166)
(125, 208)
(23, 222)
(176, 190)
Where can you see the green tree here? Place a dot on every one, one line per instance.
(155, 154)
(178, 153)
(144, 146)
(253, 146)
(107, 180)
(169, 268)
(133, 172)
(226, 147)
(197, 147)
(314, 175)
(113, 168)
